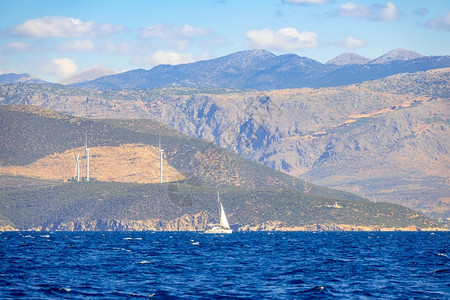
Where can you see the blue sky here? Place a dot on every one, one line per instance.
(55, 39)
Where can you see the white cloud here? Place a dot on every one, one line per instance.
(166, 31)
(61, 67)
(300, 2)
(352, 43)
(389, 12)
(376, 12)
(118, 48)
(440, 23)
(174, 36)
(18, 46)
(61, 26)
(164, 57)
(351, 10)
(77, 46)
(285, 39)
(125, 48)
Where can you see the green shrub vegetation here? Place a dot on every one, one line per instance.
(32, 207)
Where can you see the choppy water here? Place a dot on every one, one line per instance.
(399, 265)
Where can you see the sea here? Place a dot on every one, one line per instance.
(251, 265)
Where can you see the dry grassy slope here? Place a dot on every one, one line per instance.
(125, 163)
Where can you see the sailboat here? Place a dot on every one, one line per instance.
(223, 226)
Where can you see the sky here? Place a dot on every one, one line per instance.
(56, 39)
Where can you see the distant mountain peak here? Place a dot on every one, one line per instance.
(88, 75)
(396, 54)
(254, 53)
(348, 59)
(247, 57)
(21, 78)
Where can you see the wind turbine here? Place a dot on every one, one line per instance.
(160, 161)
(87, 161)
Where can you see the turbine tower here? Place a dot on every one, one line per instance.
(87, 161)
(306, 187)
(77, 167)
(160, 161)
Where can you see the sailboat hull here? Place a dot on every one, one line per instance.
(219, 230)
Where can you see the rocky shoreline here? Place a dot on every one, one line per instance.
(279, 226)
(199, 222)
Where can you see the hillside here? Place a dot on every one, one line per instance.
(262, 70)
(26, 145)
(255, 197)
(385, 139)
(126, 206)
(124, 163)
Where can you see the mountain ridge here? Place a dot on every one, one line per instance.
(254, 69)
(262, 70)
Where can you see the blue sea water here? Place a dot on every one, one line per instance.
(256, 265)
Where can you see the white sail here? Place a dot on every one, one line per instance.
(223, 226)
(223, 218)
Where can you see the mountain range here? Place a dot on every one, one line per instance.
(385, 139)
(262, 70)
(253, 69)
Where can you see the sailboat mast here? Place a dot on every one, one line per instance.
(220, 206)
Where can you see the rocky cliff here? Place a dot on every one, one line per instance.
(197, 222)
